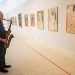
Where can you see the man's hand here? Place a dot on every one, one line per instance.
(3, 40)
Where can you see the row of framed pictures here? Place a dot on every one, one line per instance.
(52, 19)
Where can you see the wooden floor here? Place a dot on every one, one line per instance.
(29, 57)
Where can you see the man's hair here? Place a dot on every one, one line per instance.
(1, 15)
(1, 12)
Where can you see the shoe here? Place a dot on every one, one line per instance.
(3, 70)
(7, 66)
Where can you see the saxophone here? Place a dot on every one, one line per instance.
(6, 45)
(9, 36)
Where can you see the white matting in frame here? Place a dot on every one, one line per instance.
(40, 19)
(53, 19)
(70, 19)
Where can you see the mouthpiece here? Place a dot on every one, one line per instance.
(6, 19)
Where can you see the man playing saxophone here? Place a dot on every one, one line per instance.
(3, 40)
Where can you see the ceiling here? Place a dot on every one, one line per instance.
(11, 4)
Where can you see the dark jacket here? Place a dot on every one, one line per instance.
(2, 33)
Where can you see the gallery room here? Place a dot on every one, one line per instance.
(40, 37)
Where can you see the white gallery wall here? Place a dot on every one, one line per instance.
(61, 39)
(11, 4)
(2, 6)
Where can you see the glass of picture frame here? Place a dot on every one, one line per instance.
(15, 19)
(20, 19)
(32, 19)
(40, 19)
(53, 19)
(70, 19)
(12, 19)
(26, 19)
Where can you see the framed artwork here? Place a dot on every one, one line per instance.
(15, 19)
(12, 19)
(40, 19)
(32, 19)
(70, 19)
(53, 19)
(26, 19)
(20, 19)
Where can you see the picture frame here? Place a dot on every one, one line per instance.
(26, 19)
(15, 19)
(70, 19)
(53, 19)
(20, 19)
(40, 19)
(32, 19)
(12, 19)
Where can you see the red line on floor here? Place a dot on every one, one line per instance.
(46, 58)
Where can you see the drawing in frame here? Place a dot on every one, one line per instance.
(12, 18)
(26, 19)
(70, 19)
(20, 19)
(32, 19)
(15, 19)
(53, 19)
(40, 19)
